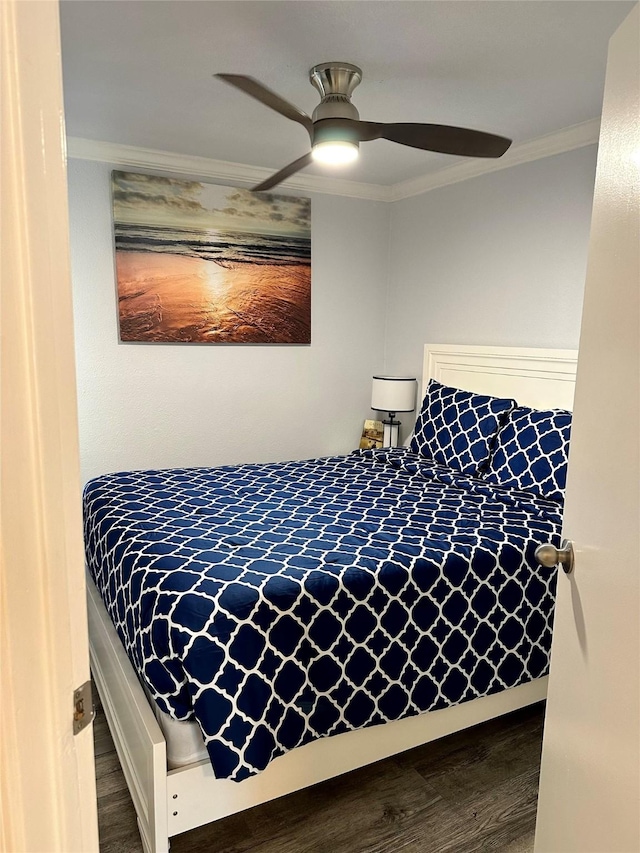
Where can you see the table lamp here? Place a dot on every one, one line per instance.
(393, 394)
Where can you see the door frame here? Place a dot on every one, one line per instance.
(47, 777)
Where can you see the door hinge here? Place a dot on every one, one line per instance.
(83, 710)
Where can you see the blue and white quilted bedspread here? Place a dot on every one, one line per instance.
(281, 603)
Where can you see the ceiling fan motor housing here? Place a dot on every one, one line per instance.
(335, 81)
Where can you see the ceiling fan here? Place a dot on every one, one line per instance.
(335, 129)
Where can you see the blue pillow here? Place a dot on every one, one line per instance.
(531, 453)
(458, 428)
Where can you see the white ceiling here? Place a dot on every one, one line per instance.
(138, 72)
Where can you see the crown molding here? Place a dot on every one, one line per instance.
(204, 167)
(567, 139)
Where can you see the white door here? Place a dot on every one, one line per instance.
(47, 784)
(589, 786)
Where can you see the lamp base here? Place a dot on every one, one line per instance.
(391, 432)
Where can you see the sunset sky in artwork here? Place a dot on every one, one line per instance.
(154, 200)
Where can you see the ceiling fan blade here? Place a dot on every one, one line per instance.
(441, 138)
(283, 174)
(253, 87)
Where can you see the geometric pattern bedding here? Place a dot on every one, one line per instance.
(277, 604)
(531, 452)
(458, 428)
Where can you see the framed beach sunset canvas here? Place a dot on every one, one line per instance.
(202, 263)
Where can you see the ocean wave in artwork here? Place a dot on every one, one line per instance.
(223, 247)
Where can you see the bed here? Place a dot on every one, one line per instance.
(358, 518)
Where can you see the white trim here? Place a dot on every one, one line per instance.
(47, 774)
(567, 139)
(205, 167)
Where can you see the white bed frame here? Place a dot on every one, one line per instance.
(169, 802)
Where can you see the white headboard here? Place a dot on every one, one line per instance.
(540, 378)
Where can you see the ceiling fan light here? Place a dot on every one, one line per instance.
(335, 153)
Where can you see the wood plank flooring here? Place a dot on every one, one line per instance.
(472, 791)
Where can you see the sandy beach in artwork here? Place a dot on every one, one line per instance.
(167, 297)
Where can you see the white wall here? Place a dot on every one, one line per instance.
(499, 259)
(163, 405)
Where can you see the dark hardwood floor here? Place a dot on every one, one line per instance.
(472, 791)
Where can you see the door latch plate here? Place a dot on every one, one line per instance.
(83, 710)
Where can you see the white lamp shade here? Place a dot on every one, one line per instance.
(393, 393)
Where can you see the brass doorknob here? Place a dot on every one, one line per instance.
(548, 555)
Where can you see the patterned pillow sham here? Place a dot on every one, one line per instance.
(531, 453)
(458, 428)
